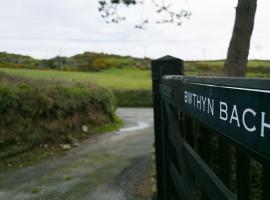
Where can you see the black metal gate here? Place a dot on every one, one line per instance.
(212, 135)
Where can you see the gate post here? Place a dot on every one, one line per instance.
(167, 65)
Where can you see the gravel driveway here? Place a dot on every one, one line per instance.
(102, 168)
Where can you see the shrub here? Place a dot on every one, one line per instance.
(60, 63)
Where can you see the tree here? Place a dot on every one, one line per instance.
(238, 51)
(237, 57)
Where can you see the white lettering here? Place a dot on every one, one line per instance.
(248, 110)
(199, 103)
(189, 98)
(211, 106)
(264, 124)
(204, 101)
(194, 95)
(223, 110)
(234, 115)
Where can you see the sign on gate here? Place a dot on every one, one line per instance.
(239, 113)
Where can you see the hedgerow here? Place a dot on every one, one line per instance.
(40, 112)
(133, 97)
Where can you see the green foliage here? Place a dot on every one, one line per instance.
(89, 61)
(134, 98)
(60, 63)
(35, 190)
(15, 59)
(96, 62)
(82, 62)
(128, 78)
(255, 68)
(109, 127)
(34, 112)
(131, 86)
(8, 99)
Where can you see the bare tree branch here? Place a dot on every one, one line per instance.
(109, 11)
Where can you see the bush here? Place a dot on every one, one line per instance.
(60, 63)
(98, 61)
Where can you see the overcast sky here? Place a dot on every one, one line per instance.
(44, 29)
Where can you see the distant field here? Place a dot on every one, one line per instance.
(114, 71)
(129, 78)
(256, 68)
(220, 63)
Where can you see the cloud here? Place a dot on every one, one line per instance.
(49, 28)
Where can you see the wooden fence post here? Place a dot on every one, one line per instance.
(164, 66)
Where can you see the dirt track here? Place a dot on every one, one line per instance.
(104, 168)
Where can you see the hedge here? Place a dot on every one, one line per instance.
(39, 112)
(133, 98)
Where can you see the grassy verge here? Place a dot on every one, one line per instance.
(118, 123)
(41, 152)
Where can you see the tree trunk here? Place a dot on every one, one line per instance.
(237, 57)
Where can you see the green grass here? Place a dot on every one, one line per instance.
(131, 85)
(220, 63)
(256, 68)
(131, 78)
(134, 98)
(109, 127)
(128, 78)
(35, 190)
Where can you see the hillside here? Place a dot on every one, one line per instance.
(255, 68)
(129, 78)
(92, 62)
(87, 61)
